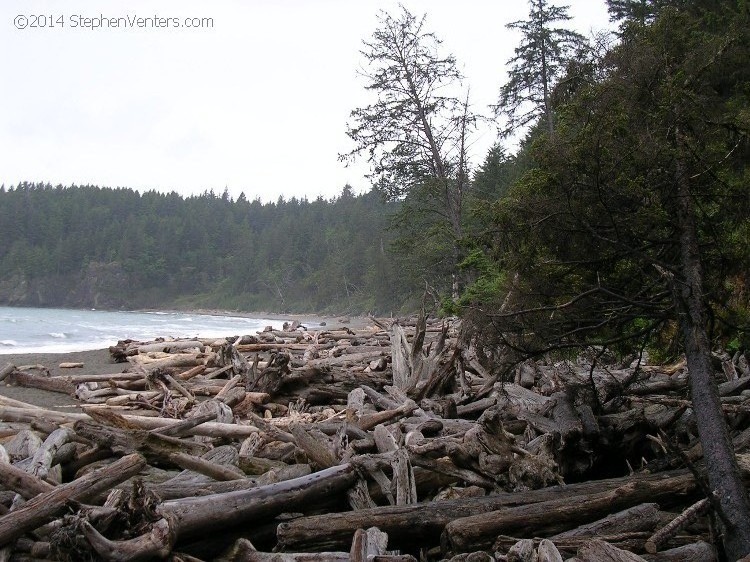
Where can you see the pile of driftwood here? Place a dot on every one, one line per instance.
(388, 443)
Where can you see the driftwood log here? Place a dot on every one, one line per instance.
(342, 444)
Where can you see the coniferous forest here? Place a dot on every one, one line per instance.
(117, 248)
(633, 158)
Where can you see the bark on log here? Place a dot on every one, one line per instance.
(658, 539)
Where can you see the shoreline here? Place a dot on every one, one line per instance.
(99, 362)
(313, 320)
(95, 362)
(262, 320)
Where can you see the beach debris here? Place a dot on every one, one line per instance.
(391, 442)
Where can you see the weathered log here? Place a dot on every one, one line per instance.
(547, 552)
(658, 539)
(600, 551)
(42, 462)
(422, 524)
(179, 360)
(21, 482)
(177, 385)
(192, 372)
(23, 445)
(182, 427)
(346, 359)
(202, 466)
(692, 552)
(244, 551)
(522, 551)
(155, 446)
(78, 379)
(272, 431)
(47, 505)
(6, 370)
(170, 346)
(556, 516)
(644, 517)
(208, 429)
(445, 466)
(369, 421)
(182, 490)
(366, 545)
(734, 387)
(31, 380)
(316, 449)
(205, 514)
(156, 544)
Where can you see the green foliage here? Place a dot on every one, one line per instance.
(633, 12)
(489, 279)
(205, 251)
(414, 137)
(590, 235)
(540, 59)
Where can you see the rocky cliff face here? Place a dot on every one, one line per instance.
(100, 285)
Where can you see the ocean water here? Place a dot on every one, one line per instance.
(51, 330)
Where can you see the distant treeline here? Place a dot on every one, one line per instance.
(92, 246)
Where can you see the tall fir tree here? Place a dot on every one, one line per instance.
(539, 60)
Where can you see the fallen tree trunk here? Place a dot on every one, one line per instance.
(31, 380)
(423, 523)
(46, 506)
(556, 516)
(208, 513)
(208, 429)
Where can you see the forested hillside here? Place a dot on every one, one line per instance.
(92, 246)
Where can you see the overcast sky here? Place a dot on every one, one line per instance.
(257, 100)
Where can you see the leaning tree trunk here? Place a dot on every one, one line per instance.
(721, 465)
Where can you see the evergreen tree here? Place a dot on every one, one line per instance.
(539, 60)
(414, 135)
(637, 12)
(633, 221)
